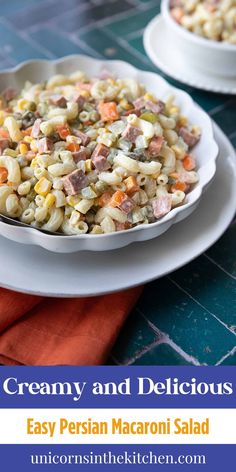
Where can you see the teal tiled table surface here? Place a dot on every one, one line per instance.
(198, 325)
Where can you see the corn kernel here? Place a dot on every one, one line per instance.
(43, 186)
(174, 110)
(182, 121)
(33, 146)
(34, 163)
(149, 116)
(149, 96)
(131, 185)
(196, 130)
(2, 117)
(49, 200)
(28, 139)
(72, 201)
(84, 93)
(125, 104)
(23, 148)
(88, 165)
(22, 104)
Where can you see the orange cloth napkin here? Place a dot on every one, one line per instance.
(48, 331)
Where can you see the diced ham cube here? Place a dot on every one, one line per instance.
(4, 144)
(155, 107)
(155, 146)
(161, 205)
(58, 100)
(75, 181)
(99, 157)
(139, 103)
(149, 105)
(100, 150)
(123, 226)
(134, 111)
(79, 99)
(45, 145)
(85, 139)
(9, 93)
(131, 133)
(81, 155)
(101, 163)
(126, 205)
(188, 136)
(36, 128)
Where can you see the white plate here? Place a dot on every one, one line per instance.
(34, 270)
(165, 56)
(206, 152)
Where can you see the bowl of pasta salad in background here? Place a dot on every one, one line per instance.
(203, 32)
(100, 152)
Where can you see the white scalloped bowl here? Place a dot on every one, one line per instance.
(214, 57)
(206, 152)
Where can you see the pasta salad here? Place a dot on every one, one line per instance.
(212, 19)
(92, 155)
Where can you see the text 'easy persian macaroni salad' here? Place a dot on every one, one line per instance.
(98, 155)
(212, 19)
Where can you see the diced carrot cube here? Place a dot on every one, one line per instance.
(189, 162)
(3, 174)
(180, 186)
(63, 131)
(104, 199)
(27, 131)
(131, 185)
(108, 111)
(4, 133)
(117, 198)
(73, 147)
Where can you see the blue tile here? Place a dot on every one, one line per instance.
(233, 140)
(134, 337)
(81, 18)
(16, 48)
(56, 44)
(188, 324)
(137, 21)
(101, 42)
(42, 11)
(6, 8)
(210, 287)
(222, 251)
(162, 354)
(226, 117)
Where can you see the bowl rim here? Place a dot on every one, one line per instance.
(172, 215)
(199, 40)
